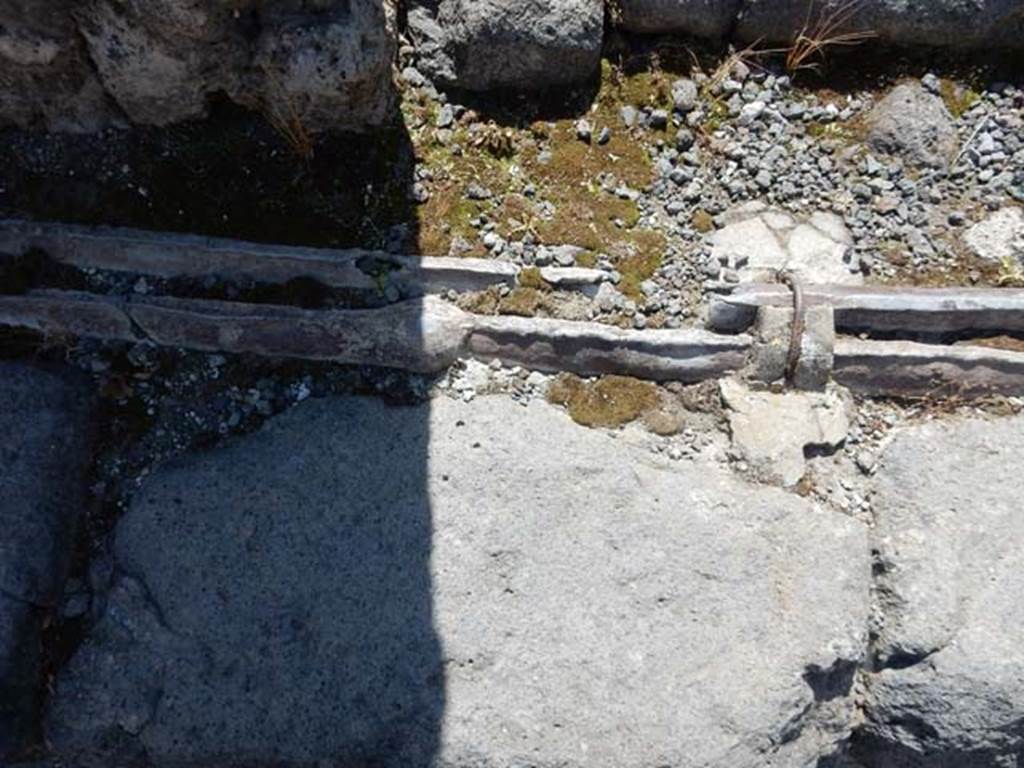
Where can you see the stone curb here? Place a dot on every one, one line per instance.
(912, 369)
(170, 255)
(427, 335)
(882, 309)
(424, 335)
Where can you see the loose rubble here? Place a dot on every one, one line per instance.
(757, 244)
(854, 187)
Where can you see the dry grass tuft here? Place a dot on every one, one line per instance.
(492, 138)
(949, 400)
(280, 111)
(822, 32)
(702, 221)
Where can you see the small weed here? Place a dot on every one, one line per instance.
(650, 86)
(716, 110)
(747, 56)
(830, 131)
(717, 113)
(613, 8)
(1011, 273)
(480, 302)
(497, 141)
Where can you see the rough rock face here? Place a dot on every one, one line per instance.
(43, 455)
(703, 18)
(524, 44)
(332, 67)
(946, 23)
(160, 63)
(915, 125)
(950, 537)
(469, 584)
(327, 64)
(45, 74)
(85, 65)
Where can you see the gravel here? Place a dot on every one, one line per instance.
(804, 152)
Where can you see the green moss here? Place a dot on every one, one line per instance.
(702, 221)
(445, 216)
(523, 302)
(645, 88)
(609, 402)
(589, 221)
(642, 263)
(957, 99)
(586, 259)
(530, 277)
(562, 169)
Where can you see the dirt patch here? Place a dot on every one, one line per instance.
(1008, 343)
(229, 176)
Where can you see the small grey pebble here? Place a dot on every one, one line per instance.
(584, 130)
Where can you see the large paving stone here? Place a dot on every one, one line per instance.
(44, 453)
(950, 543)
(474, 584)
